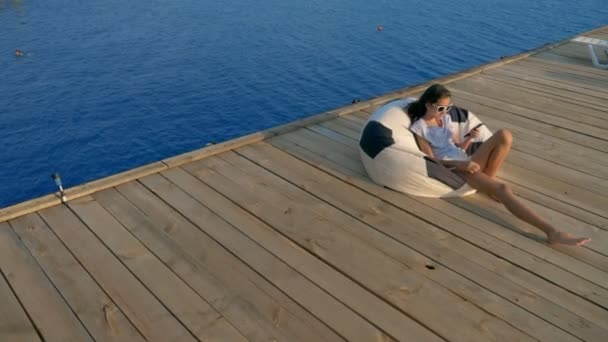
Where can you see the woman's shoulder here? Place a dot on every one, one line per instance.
(418, 126)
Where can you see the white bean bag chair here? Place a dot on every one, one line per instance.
(391, 156)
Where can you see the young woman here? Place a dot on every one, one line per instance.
(431, 126)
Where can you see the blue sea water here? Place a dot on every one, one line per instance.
(106, 86)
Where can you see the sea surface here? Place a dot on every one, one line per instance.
(106, 86)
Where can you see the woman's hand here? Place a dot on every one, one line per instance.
(468, 166)
(474, 133)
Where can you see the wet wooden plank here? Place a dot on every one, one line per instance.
(328, 234)
(148, 314)
(252, 304)
(100, 315)
(185, 304)
(44, 305)
(226, 230)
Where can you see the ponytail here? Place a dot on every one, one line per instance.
(416, 110)
(432, 94)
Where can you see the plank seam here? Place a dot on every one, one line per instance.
(21, 304)
(389, 236)
(546, 92)
(99, 240)
(186, 282)
(481, 247)
(163, 262)
(244, 262)
(67, 303)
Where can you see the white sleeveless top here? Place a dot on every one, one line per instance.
(440, 139)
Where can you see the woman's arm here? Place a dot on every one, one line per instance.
(424, 146)
(466, 166)
(474, 133)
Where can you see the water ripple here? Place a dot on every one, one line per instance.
(109, 86)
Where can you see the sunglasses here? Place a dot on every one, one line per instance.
(441, 109)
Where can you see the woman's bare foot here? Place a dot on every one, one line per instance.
(559, 238)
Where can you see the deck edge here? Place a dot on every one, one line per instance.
(88, 188)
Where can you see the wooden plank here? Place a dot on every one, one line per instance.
(185, 304)
(550, 125)
(594, 202)
(557, 79)
(280, 271)
(14, 323)
(534, 196)
(265, 134)
(600, 244)
(548, 128)
(253, 305)
(575, 94)
(589, 73)
(315, 142)
(421, 236)
(577, 98)
(581, 198)
(148, 315)
(336, 127)
(99, 314)
(578, 51)
(329, 234)
(348, 123)
(562, 207)
(78, 191)
(51, 315)
(548, 56)
(591, 255)
(536, 136)
(568, 114)
(183, 265)
(490, 236)
(526, 139)
(562, 169)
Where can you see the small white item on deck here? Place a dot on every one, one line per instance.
(591, 42)
(391, 156)
(57, 178)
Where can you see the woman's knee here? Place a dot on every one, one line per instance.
(504, 189)
(505, 136)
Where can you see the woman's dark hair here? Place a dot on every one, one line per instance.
(432, 94)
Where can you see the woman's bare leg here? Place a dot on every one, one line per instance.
(484, 183)
(492, 153)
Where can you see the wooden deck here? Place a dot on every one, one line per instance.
(286, 239)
